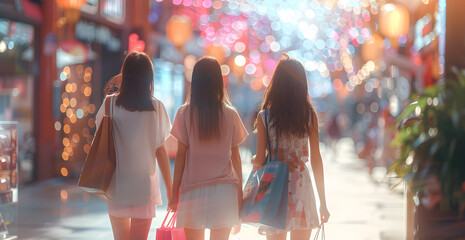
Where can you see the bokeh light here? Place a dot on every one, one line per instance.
(225, 70)
(240, 60)
(64, 172)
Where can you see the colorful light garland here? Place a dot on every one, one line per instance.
(324, 35)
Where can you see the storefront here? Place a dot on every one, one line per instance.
(19, 46)
(20, 24)
(86, 59)
(429, 28)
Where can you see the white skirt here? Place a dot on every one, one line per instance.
(213, 206)
(131, 211)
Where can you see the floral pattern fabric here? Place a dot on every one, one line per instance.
(301, 209)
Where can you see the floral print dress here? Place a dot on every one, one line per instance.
(301, 208)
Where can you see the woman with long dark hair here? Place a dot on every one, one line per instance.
(140, 128)
(207, 172)
(293, 118)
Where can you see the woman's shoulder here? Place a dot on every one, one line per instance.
(182, 109)
(109, 96)
(156, 101)
(229, 110)
(262, 113)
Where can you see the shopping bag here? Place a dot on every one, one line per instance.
(275, 214)
(265, 196)
(266, 192)
(168, 231)
(101, 161)
(320, 233)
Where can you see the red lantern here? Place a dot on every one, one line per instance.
(394, 20)
(179, 30)
(71, 4)
(216, 52)
(71, 9)
(373, 49)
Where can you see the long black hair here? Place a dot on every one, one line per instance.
(207, 97)
(134, 83)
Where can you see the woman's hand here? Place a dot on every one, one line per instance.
(255, 163)
(254, 160)
(179, 164)
(102, 196)
(324, 213)
(237, 228)
(173, 203)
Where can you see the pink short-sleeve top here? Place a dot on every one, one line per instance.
(208, 162)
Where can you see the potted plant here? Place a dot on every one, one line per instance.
(431, 143)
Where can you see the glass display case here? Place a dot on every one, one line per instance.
(8, 179)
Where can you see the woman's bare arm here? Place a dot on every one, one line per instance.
(164, 164)
(237, 165)
(317, 166)
(179, 165)
(259, 159)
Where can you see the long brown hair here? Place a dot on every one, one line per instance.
(291, 111)
(207, 97)
(134, 84)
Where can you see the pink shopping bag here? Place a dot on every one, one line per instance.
(168, 231)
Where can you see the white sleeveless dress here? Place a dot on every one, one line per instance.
(301, 208)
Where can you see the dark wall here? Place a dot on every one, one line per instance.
(455, 36)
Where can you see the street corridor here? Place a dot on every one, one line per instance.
(360, 209)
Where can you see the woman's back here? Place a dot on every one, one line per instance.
(137, 135)
(293, 120)
(293, 150)
(208, 161)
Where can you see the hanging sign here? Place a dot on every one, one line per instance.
(91, 32)
(113, 10)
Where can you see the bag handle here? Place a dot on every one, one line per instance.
(277, 140)
(170, 222)
(109, 113)
(268, 137)
(164, 220)
(108, 105)
(111, 106)
(322, 228)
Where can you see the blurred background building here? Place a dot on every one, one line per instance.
(363, 59)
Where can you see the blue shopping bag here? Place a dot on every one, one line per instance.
(265, 196)
(266, 192)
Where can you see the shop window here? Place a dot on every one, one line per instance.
(17, 88)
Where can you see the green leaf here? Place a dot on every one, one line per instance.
(431, 92)
(440, 152)
(395, 185)
(394, 166)
(460, 76)
(408, 110)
